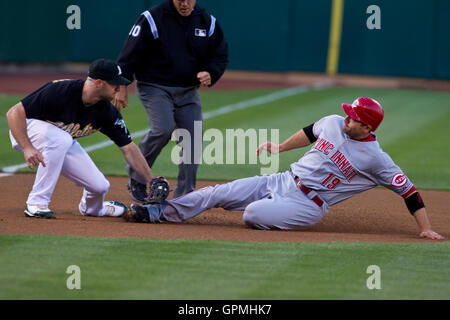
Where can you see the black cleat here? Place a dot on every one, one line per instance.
(148, 213)
(138, 191)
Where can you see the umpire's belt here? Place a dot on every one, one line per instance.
(307, 192)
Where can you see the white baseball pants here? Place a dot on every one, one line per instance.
(269, 202)
(64, 155)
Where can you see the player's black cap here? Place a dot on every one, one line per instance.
(108, 71)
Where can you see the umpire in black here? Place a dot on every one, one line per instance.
(172, 50)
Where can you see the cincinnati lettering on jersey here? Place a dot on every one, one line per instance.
(74, 129)
(344, 165)
(337, 158)
(324, 145)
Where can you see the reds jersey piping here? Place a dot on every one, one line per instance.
(60, 103)
(338, 167)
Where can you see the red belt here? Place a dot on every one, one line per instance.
(307, 190)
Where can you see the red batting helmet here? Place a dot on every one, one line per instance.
(365, 110)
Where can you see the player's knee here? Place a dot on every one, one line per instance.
(100, 186)
(254, 220)
(248, 218)
(104, 186)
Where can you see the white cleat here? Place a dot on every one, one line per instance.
(114, 208)
(38, 212)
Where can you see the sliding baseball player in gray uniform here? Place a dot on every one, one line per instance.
(345, 160)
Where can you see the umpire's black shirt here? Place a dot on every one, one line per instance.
(166, 48)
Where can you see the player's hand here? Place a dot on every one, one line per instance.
(33, 157)
(204, 78)
(270, 147)
(121, 98)
(430, 234)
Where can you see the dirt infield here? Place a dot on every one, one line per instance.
(378, 215)
(25, 80)
(375, 216)
(23, 83)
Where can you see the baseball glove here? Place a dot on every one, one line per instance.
(159, 190)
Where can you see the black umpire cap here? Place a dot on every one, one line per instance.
(108, 71)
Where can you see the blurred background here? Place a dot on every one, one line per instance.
(263, 35)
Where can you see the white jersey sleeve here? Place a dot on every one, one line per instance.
(322, 124)
(389, 175)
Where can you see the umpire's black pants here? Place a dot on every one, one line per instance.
(171, 108)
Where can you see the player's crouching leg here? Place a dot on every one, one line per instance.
(92, 202)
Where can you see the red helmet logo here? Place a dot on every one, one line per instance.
(365, 110)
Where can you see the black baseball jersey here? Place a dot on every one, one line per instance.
(166, 48)
(60, 103)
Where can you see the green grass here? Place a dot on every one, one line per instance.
(413, 132)
(34, 267)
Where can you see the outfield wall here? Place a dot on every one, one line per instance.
(287, 35)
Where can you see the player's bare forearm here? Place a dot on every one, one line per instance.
(297, 140)
(17, 122)
(425, 225)
(136, 160)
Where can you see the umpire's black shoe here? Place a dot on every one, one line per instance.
(138, 191)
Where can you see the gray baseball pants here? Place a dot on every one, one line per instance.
(169, 108)
(269, 202)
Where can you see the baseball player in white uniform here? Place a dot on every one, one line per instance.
(46, 124)
(345, 160)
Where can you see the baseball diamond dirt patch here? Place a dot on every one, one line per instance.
(25, 80)
(378, 215)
